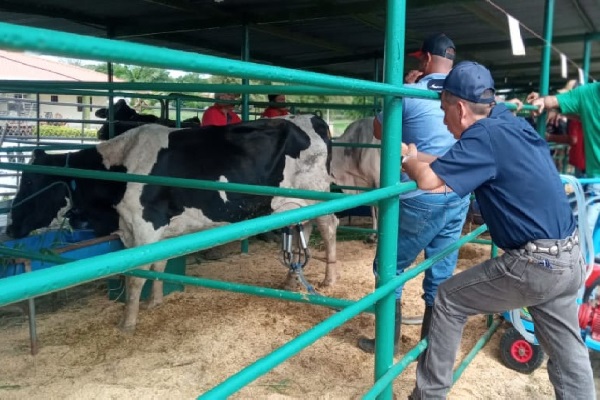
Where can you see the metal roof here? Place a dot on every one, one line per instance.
(21, 66)
(341, 37)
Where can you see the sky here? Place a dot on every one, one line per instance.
(173, 73)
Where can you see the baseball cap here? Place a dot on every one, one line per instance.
(472, 82)
(437, 44)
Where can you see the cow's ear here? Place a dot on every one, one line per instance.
(38, 153)
(102, 113)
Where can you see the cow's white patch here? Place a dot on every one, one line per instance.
(59, 219)
(308, 171)
(134, 230)
(147, 140)
(222, 193)
(357, 166)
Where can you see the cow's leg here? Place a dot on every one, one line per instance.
(132, 303)
(156, 297)
(374, 217)
(327, 226)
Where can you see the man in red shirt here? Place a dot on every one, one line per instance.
(275, 110)
(221, 113)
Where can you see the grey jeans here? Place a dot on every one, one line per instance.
(546, 284)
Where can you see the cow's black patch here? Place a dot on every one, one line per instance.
(40, 196)
(251, 153)
(126, 118)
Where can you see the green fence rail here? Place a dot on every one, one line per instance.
(45, 281)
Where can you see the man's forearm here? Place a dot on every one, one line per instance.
(425, 157)
(422, 173)
(550, 102)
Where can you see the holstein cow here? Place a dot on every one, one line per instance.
(292, 152)
(357, 166)
(127, 118)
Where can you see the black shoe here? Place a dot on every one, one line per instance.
(426, 321)
(368, 345)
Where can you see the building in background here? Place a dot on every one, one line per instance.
(26, 67)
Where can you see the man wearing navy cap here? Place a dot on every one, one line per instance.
(429, 220)
(508, 166)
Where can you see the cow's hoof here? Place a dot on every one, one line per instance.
(126, 329)
(150, 305)
(371, 239)
(291, 284)
(327, 283)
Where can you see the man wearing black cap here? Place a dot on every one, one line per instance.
(438, 45)
(429, 220)
(505, 162)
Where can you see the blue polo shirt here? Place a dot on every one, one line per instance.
(508, 166)
(423, 122)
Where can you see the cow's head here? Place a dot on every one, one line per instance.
(125, 118)
(122, 111)
(40, 198)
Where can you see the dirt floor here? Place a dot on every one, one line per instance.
(200, 337)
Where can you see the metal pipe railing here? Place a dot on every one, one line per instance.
(265, 364)
(80, 46)
(45, 281)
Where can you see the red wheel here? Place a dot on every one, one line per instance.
(521, 350)
(518, 354)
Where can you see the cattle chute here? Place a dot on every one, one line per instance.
(383, 294)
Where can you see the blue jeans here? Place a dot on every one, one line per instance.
(430, 222)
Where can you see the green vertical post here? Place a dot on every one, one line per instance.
(245, 103)
(38, 113)
(376, 78)
(545, 67)
(245, 81)
(390, 175)
(111, 103)
(178, 112)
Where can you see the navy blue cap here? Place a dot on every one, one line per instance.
(472, 82)
(437, 44)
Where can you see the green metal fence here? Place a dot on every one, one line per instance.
(76, 272)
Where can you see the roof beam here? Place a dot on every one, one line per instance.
(529, 43)
(587, 21)
(256, 17)
(526, 65)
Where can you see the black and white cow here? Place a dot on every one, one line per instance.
(357, 166)
(291, 152)
(127, 118)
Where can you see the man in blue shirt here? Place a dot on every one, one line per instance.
(508, 166)
(429, 220)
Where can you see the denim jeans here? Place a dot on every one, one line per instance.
(547, 285)
(430, 222)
